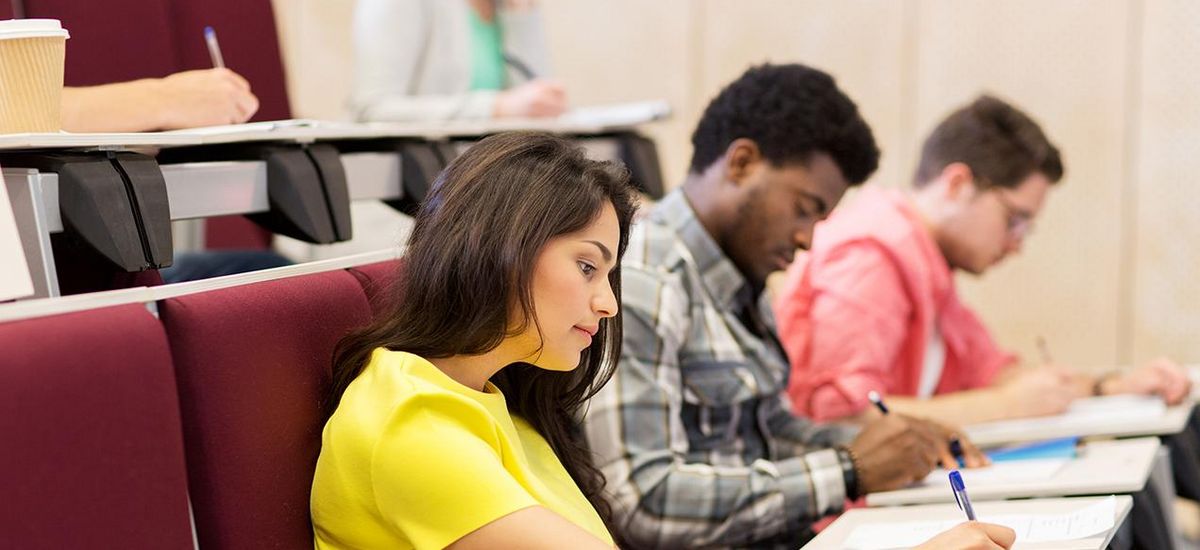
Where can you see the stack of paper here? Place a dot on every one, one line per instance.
(998, 473)
(1083, 417)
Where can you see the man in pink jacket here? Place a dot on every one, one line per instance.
(872, 306)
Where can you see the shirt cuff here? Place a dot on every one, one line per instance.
(812, 487)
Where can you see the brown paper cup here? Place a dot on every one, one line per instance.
(31, 80)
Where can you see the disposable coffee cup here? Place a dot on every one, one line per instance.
(32, 54)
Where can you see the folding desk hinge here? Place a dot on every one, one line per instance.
(307, 191)
(113, 204)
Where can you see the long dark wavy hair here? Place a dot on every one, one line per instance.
(470, 261)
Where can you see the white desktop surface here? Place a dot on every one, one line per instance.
(833, 536)
(585, 120)
(1102, 467)
(991, 434)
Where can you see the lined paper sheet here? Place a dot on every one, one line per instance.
(250, 127)
(1038, 469)
(1088, 521)
(617, 114)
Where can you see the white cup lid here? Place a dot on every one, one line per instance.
(32, 28)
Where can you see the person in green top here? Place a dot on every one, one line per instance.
(440, 60)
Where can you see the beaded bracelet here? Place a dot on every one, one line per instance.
(849, 462)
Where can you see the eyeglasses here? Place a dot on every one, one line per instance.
(1020, 221)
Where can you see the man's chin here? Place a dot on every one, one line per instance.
(973, 269)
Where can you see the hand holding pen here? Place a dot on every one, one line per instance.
(206, 97)
(960, 495)
(955, 450)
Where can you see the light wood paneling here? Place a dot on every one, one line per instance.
(1065, 64)
(1166, 296)
(628, 50)
(315, 39)
(860, 42)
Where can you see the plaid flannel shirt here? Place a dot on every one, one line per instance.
(694, 433)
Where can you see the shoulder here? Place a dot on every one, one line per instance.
(877, 225)
(394, 398)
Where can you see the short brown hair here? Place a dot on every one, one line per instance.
(1002, 145)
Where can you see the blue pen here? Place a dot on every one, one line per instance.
(214, 49)
(960, 495)
(955, 444)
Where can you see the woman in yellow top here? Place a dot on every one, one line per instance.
(454, 411)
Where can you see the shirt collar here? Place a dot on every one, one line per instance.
(720, 277)
(940, 274)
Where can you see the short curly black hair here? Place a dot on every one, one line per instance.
(791, 111)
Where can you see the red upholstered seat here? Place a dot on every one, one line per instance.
(377, 280)
(253, 366)
(92, 454)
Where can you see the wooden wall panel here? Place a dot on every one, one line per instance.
(1065, 63)
(1166, 293)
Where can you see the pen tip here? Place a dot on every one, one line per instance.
(873, 396)
(208, 31)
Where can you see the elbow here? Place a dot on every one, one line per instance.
(632, 522)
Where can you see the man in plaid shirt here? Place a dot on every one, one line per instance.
(694, 433)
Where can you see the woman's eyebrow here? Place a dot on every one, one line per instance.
(604, 251)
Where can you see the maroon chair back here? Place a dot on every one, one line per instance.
(119, 40)
(93, 453)
(253, 365)
(113, 40)
(378, 280)
(249, 44)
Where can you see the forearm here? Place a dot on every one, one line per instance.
(668, 503)
(796, 435)
(962, 408)
(121, 107)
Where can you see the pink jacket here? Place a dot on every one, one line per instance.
(855, 310)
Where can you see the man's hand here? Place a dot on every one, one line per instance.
(945, 436)
(892, 452)
(1038, 391)
(1161, 377)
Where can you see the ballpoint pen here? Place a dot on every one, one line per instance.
(520, 66)
(877, 400)
(214, 49)
(960, 495)
(1044, 350)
